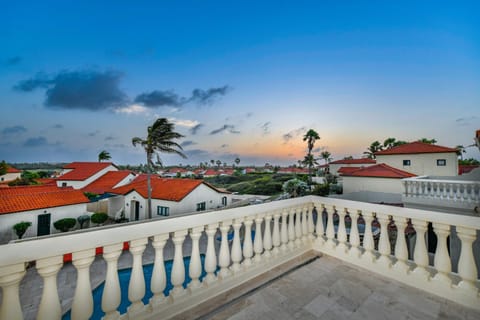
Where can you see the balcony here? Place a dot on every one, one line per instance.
(447, 195)
(284, 235)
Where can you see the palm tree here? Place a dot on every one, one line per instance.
(212, 162)
(460, 151)
(311, 136)
(429, 141)
(104, 155)
(325, 156)
(392, 142)
(374, 147)
(237, 160)
(219, 163)
(159, 139)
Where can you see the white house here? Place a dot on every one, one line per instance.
(80, 174)
(39, 205)
(421, 159)
(110, 180)
(12, 174)
(334, 166)
(169, 197)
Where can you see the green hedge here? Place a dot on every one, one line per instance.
(65, 224)
(99, 217)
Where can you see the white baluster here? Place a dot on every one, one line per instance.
(210, 255)
(444, 186)
(178, 267)
(257, 242)
(420, 255)
(354, 235)
(236, 246)
(298, 227)
(224, 253)
(368, 243)
(159, 277)
(247, 243)
(342, 231)
(319, 228)
(283, 231)
(291, 229)
(50, 303)
(10, 277)
(304, 225)
(267, 236)
(276, 233)
(311, 226)
(467, 269)
(82, 307)
(330, 232)
(401, 250)
(111, 296)
(442, 259)
(136, 286)
(195, 268)
(451, 193)
(384, 242)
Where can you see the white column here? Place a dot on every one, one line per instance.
(291, 229)
(420, 255)
(401, 250)
(354, 235)
(330, 233)
(257, 242)
(276, 233)
(136, 286)
(384, 242)
(178, 267)
(210, 255)
(311, 226)
(224, 253)
(82, 307)
(298, 227)
(342, 231)
(10, 277)
(304, 224)
(319, 228)
(195, 268)
(236, 246)
(442, 259)
(467, 269)
(50, 303)
(247, 243)
(368, 243)
(283, 231)
(159, 277)
(111, 296)
(267, 236)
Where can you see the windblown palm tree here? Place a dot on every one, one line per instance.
(325, 156)
(374, 147)
(159, 139)
(311, 136)
(237, 160)
(104, 155)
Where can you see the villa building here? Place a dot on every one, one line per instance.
(80, 174)
(335, 166)
(12, 174)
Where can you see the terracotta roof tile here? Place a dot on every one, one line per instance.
(83, 170)
(348, 170)
(107, 181)
(13, 170)
(18, 199)
(355, 161)
(415, 147)
(380, 170)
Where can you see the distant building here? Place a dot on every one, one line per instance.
(335, 166)
(12, 174)
(80, 174)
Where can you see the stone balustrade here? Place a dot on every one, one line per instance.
(253, 240)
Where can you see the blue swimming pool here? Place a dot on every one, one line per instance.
(124, 277)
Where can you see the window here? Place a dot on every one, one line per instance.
(64, 184)
(406, 162)
(224, 201)
(201, 206)
(441, 162)
(163, 211)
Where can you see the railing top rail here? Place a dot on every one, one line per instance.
(424, 180)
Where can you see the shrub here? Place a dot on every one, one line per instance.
(83, 219)
(295, 187)
(99, 217)
(65, 224)
(21, 227)
(321, 190)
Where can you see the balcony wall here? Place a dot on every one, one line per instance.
(284, 230)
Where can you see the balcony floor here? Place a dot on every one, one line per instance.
(328, 288)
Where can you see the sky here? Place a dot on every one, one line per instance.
(240, 79)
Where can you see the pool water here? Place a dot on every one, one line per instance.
(124, 277)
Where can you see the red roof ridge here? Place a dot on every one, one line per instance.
(354, 161)
(380, 170)
(416, 147)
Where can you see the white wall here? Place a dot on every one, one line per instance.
(10, 176)
(335, 167)
(385, 185)
(423, 163)
(80, 184)
(126, 180)
(7, 221)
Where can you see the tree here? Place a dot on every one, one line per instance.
(21, 227)
(460, 151)
(374, 147)
(219, 163)
(160, 139)
(212, 162)
(104, 155)
(65, 224)
(311, 136)
(325, 156)
(3, 168)
(237, 160)
(309, 161)
(392, 142)
(429, 141)
(348, 158)
(295, 187)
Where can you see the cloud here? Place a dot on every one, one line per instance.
(35, 142)
(13, 60)
(132, 109)
(184, 123)
(249, 114)
(58, 126)
(224, 146)
(196, 153)
(207, 97)
(159, 98)
(194, 130)
(293, 134)
(266, 128)
(187, 143)
(110, 138)
(14, 130)
(465, 121)
(226, 127)
(93, 134)
(85, 89)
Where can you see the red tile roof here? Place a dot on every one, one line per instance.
(13, 170)
(355, 161)
(26, 198)
(348, 170)
(83, 170)
(416, 147)
(106, 182)
(380, 170)
(162, 188)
